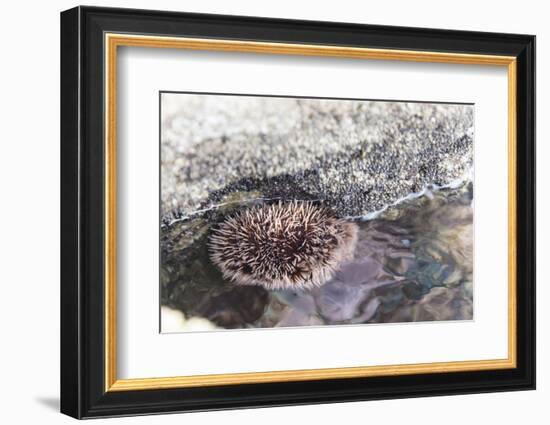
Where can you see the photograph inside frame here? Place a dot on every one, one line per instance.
(291, 212)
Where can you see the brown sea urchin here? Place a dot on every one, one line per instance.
(292, 245)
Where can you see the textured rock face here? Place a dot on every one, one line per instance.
(356, 157)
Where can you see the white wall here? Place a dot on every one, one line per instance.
(29, 224)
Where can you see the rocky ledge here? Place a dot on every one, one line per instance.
(356, 157)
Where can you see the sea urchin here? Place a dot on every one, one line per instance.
(292, 245)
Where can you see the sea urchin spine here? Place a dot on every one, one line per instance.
(292, 245)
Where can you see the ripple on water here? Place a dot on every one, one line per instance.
(412, 263)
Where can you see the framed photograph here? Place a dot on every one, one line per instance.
(261, 212)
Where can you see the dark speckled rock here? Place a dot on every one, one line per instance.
(357, 157)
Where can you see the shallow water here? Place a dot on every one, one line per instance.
(412, 263)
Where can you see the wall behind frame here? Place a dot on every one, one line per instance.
(29, 217)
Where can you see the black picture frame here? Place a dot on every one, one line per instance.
(83, 392)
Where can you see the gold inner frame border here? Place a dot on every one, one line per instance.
(111, 43)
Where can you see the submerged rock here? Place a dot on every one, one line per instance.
(411, 263)
(235, 308)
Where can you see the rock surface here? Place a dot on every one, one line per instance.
(357, 157)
